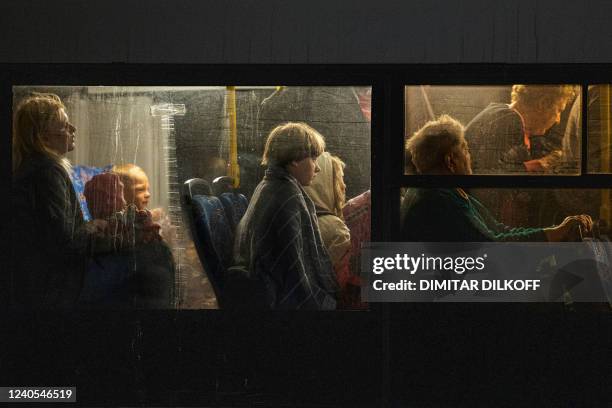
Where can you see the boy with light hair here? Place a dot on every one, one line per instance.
(278, 247)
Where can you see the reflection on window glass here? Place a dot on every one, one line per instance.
(138, 146)
(513, 129)
(598, 127)
(482, 215)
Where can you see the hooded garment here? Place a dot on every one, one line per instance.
(279, 257)
(104, 195)
(334, 232)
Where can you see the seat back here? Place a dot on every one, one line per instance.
(235, 205)
(223, 184)
(211, 231)
(79, 176)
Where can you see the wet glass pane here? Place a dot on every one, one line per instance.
(218, 135)
(509, 129)
(599, 128)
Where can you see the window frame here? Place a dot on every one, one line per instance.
(388, 108)
(380, 332)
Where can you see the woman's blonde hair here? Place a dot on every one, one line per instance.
(31, 120)
(292, 141)
(536, 96)
(126, 172)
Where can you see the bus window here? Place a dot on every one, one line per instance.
(511, 129)
(158, 137)
(599, 130)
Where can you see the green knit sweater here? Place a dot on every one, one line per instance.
(444, 215)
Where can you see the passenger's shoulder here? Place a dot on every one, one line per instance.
(280, 193)
(53, 173)
(495, 112)
(333, 221)
(42, 170)
(426, 194)
(433, 201)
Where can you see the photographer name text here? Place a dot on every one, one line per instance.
(458, 285)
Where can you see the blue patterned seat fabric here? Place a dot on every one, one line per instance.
(214, 235)
(235, 205)
(80, 175)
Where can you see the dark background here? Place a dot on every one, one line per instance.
(410, 355)
(314, 31)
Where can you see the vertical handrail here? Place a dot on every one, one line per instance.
(233, 168)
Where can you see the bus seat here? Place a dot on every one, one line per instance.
(223, 184)
(197, 186)
(235, 205)
(79, 176)
(211, 231)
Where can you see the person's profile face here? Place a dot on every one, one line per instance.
(547, 117)
(463, 159)
(60, 137)
(138, 192)
(304, 170)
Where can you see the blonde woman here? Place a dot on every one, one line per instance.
(50, 237)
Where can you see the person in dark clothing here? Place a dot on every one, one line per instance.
(49, 236)
(451, 215)
(501, 136)
(278, 245)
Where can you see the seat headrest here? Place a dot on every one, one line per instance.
(223, 184)
(196, 186)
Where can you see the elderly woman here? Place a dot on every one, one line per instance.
(278, 244)
(50, 238)
(500, 136)
(451, 214)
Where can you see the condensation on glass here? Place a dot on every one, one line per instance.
(179, 133)
(510, 129)
(599, 129)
